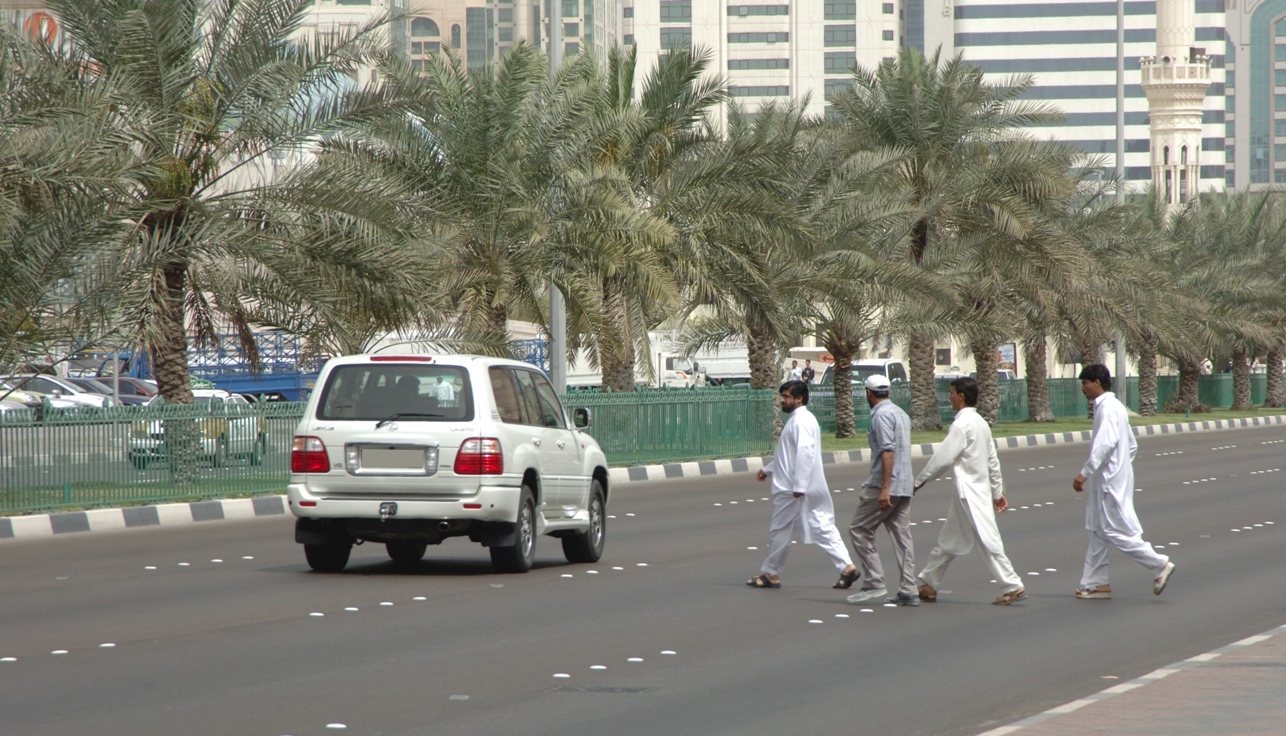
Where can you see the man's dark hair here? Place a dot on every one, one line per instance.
(1097, 372)
(968, 388)
(798, 389)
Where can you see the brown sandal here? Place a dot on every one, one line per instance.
(1012, 596)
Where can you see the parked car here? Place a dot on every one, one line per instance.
(56, 386)
(31, 398)
(130, 386)
(891, 369)
(385, 453)
(99, 387)
(1003, 374)
(232, 430)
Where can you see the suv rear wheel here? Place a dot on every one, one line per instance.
(519, 556)
(329, 557)
(405, 551)
(588, 546)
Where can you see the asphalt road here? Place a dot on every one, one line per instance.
(213, 628)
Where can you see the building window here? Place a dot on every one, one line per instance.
(758, 37)
(888, 8)
(676, 11)
(835, 85)
(629, 39)
(676, 38)
(839, 36)
(505, 34)
(942, 356)
(739, 64)
(759, 91)
(571, 7)
(629, 12)
(840, 10)
(424, 28)
(1279, 152)
(571, 49)
(571, 30)
(744, 11)
(1279, 102)
(353, 2)
(432, 47)
(506, 15)
(417, 48)
(455, 36)
(475, 23)
(888, 35)
(840, 62)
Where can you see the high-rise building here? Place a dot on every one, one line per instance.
(1070, 49)
(1256, 53)
(771, 49)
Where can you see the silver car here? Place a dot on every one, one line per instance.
(410, 450)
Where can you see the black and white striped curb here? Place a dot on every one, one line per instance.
(43, 525)
(1198, 661)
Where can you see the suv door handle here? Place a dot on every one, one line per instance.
(535, 441)
(561, 444)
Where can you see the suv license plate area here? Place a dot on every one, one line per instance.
(383, 459)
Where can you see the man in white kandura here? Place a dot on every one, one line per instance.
(801, 500)
(1109, 477)
(971, 455)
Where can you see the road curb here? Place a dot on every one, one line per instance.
(134, 517)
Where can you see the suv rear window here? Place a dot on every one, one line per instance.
(379, 391)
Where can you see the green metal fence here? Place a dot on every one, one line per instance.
(85, 457)
(88, 457)
(681, 424)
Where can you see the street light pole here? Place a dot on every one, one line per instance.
(1122, 365)
(557, 348)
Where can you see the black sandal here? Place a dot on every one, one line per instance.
(846, 580)
(762, 582)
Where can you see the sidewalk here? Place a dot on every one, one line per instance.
(1233, 691)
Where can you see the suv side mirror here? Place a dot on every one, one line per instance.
(581, 418)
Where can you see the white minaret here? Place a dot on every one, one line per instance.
(1175, 81)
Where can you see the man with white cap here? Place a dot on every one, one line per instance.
(886, 499)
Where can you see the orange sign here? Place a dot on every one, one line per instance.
(41, 24)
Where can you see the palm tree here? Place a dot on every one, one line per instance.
(942, 116)
(217, 88)
(63, 166)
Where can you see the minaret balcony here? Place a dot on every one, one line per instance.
(1168, 70)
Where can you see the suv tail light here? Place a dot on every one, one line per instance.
(308, 455)
(479, 456)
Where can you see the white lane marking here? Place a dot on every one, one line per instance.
(318, 614)
(561, 676)
(107, 645)
(668, 652)
(459, 697)
(634, 659)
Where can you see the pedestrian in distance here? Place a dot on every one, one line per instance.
(808, 374)
(794, 374)
(970, 454)
(1108, 479)
(885, 499)
(801, 498)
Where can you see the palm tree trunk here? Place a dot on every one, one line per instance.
(924, 395)
(764, 371)
(1276, 396)
(617, 355)
(1037, 389)
(1240, 379)
(1186, 399)
(170, 363)
(1148, 376)
(1091, 353)
(845, 417)
(984, 357)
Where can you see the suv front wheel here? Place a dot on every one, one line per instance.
(588, 546)
(521, 553)
(328, 557)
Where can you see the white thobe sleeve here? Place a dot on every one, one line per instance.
(1104, 443)
(945, 456)
(993, 469)
(806, 454)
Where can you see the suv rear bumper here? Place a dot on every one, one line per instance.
(490, 503)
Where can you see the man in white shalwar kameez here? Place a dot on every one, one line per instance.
(970, 454)
(1108, 478)
(801, 498)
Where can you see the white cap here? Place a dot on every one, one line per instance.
(877, 383)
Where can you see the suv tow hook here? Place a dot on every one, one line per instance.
(387, 509)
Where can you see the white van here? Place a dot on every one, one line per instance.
(410, 450)
(891, 369)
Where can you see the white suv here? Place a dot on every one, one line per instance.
(409, 450)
